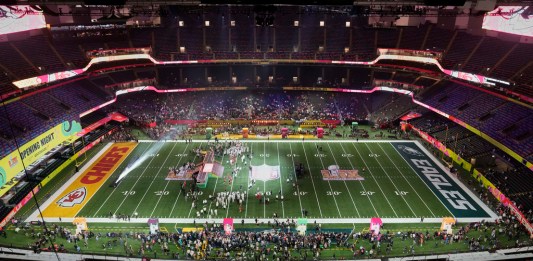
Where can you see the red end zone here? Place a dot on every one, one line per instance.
(80, 191)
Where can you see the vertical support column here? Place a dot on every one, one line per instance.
(273, 74)
(230, 47)
(255, 75)
(348, 76)
(325, 42)
(255, 37)
(178, 38)
(181, 76)
(300, 30)
(298, 73)
(204, 42)
(350, 39)
(229, 40)
(274, 39)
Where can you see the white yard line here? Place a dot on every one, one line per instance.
(344, 181)
(248, 184)
(155, 177)
(172, 210)
(280, 183)
(394, 184)
(362, 185)
(116, 188)
(124, 200)
(168, 182)
(216, 182)
(173, 221)
(298, 187)
(416, 192)
(287, 141)
(179, 194)
(231, 188)
(264, 182)
(369, 171)
(330, 188)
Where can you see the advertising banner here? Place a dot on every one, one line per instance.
(11, 165)
(18, 18)
(228, 225)
(18, 207)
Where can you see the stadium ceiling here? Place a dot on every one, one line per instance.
(236, 2)
(267, 2)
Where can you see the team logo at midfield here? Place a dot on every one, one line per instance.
(410, 151)
(74, 197)
(265, 172)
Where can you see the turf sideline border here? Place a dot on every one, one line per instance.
(35, 215)
(282, 141)
(200, 221)
(459, 183)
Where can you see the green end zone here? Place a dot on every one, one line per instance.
(457, 199)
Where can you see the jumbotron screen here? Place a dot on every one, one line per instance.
(510, 19)
(17, 18)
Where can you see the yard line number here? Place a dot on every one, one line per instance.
(367, 193)
(400, 193)
(128, 192)
(161, 193)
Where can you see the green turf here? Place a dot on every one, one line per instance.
(391, 187)
(24, 238)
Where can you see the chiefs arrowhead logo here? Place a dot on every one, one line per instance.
(72, 198)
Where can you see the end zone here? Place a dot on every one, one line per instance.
(73, 196)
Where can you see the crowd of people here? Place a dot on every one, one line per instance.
(279, 240)
(252, 105)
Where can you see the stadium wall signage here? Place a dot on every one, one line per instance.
(33, 150)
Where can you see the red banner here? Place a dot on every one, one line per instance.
(228, 225)
(331, 122)
(115, 116)
(410, 116)
(18, 207)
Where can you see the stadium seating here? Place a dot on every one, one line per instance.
(412, 37)
(438, 38)
(461, 48)
(514, 182)
(503, 120)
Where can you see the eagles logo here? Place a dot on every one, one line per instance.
(410, 151)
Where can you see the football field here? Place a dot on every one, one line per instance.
(395, 180)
